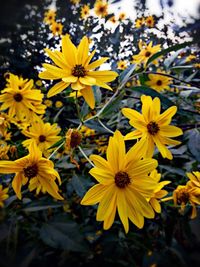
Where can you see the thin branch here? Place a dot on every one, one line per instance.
(85, 156)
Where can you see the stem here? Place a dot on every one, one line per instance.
(105, 127)
(83, 153)
(56, 150)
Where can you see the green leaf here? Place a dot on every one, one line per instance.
(167, 50)
(194, 143)
(78, 185)
(45, 207)
(125, 75)
(63, 235)
(57, 143)
(151, 92)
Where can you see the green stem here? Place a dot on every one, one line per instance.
(105, 127)
(85, 156)
(56, 149)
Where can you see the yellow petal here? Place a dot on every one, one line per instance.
(57, 88)
(70, 79)
(122, 209)
(133, 135)
(9, 167)
(87, 80)
(165, 117)
(69, 50)
(88, 95)
(170, 131)
(102, 176)
(97, 63)
(103, 75)
(94, 195)
(83, 50)
(17, 183)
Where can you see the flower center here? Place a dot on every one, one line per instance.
(153, 127)
(18, 97)
(102, 9)
(147, 54)
(42, 138)
(79, 71)
(159, 82)
(122, 179)
(31, 171)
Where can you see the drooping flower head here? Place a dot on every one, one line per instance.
(3, 195)
(124, 184)
(146, 51)
(36, 170)
(152, 128)
(75, 69)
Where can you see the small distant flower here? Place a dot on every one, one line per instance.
(146, 51)
(113, 19)
(36, 170)
(75, 2)
(197, 65)
(123, 185)
(122, 16)
(38, 83)
(59, 104)
(101, 145)
(3, 195)
(73, 139)
(152, 127)
(139, 22)
(159, 82)
(149, 21)
(4, 149)
(48, 103)
(4, 135)
(56, 28)
(86, 131)
(121, 65)
(85, 11)
(49, 16)
(158, 193)
(190, 58)
(184, 195)
(75, 70)
(43, 134)
(101, 8)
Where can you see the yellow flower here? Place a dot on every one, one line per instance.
(159, 82)
(21, 99)
(158, 191)
(43, 134)
(146, 51)
(59, 104)
(85, 11)
(121, 65)
(86, 131)
(152, 127)
(48, 102)
(3, 195)
(73, 139)
(184, 195)
(124, 184)
(4, 135)
(113, 19)
(49, 16)
(122, 16)
(36, 170)
(38, 83)
(197, 65)
(56, 28)
(74, 69)
(139, 22)
(4, 149)
(150, 22)
(194, 180)
(101, 8)
(190, 58)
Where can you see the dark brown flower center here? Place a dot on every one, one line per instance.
(159, 82)
(42, 138)
(122, 179)
(102, 9)
(79, 71)
(153, 127)
(31, 171)
(147, 54)
(76, 138)
(183, 197)
(18, 97)
(57, 29)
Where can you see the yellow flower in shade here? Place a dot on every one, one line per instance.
(124, 184)
(20, 100)
(146, 51)
(38, 83)
(4, 121)
(101, 8)
(74, 69)
(48, 103)
(4, 135)
(190, 58)
(36, 170)
(4, 149)
(113, 19)
(197, 65)
(43, 134)
(122, 16)
(59, 104)
(85, 11)
(152, 127)
(86, 131)
(159, 82)
(3, 195)
(139, 22)
(194, 180)
(49, 16)
(121, 65)
(73, 139)
(158, 192)
(56, 28)
(150, 22)
(184, 195)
